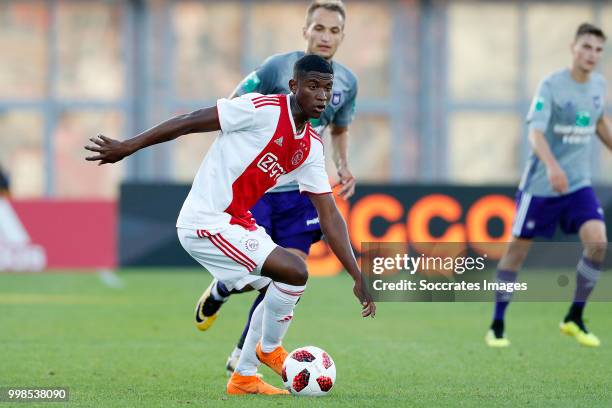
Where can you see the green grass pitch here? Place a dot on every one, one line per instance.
(137, 347)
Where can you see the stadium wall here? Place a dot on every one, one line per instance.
(393, 213)
(37, 235)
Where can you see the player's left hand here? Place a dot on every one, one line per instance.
(109, 150)
(348, 183)
(368, 305)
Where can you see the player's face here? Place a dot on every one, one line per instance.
(325, 33)
(587, 51)
(313, 92)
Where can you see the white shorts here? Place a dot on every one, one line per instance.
(234, 255)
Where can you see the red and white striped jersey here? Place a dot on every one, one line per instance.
(258, 148)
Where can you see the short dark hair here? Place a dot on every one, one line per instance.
(331, 5)
(588, 28)
(310, 63)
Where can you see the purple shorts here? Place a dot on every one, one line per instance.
(539, 216)
(289, 218)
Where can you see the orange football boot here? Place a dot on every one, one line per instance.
(273, 359)
(251, 384)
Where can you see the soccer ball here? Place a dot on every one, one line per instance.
(309, 371)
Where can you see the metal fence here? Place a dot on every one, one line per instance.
(444, 85)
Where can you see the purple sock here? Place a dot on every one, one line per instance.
(222, 289)
(502, 298)
(587, 275)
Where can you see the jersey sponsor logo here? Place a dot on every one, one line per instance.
(581, 131)
(583, 118)
(269, 164)
(569, 129)
(279, 141)
(251, 244)
(574, 134)
(336, 98)
(251, 82)
(576, 139)
(17, 253)
(297, 157)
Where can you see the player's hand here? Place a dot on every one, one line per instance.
(367, 304)
(109, 150)
(348, 183)
(557, 179)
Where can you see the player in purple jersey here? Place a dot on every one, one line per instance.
(566, 113)
(288, 216)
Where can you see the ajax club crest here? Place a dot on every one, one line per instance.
(251, 244)
(297, 157)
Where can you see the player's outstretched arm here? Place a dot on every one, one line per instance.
(111, 151)
(604, 131)
(334, 229)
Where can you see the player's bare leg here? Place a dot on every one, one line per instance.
(299, 253)
(593, 236)
(289, 275)
(232, 360)
(507, 271)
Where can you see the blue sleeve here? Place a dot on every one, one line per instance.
(541, 108)
(346, 113)
(261, 80)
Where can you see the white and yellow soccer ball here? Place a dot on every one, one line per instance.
(309, 371)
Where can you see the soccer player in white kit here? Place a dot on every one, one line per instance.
(265, 141)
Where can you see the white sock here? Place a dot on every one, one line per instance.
(248, 361)
(278, 312)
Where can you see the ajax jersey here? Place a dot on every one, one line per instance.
(258, 148)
